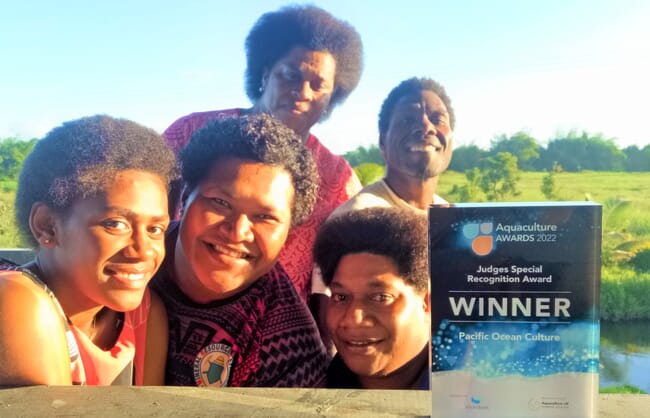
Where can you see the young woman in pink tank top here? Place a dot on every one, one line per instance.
(92, 201)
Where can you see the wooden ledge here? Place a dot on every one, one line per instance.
(124, 401)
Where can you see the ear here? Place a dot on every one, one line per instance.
(42, 222)
(185, 196)
(265, 80)
(382, 139)
(427, 301)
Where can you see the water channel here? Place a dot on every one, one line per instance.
(625, 354)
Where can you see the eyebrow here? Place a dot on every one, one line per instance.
(374, 284)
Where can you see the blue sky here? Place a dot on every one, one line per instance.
(545, 67)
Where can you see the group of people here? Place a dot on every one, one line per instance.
(235, 249)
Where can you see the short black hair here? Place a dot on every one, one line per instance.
(407, 87)
(276, 33)
(400, 235)
(258, 138)
(78, 160)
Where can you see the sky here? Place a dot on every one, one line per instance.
(543, 67)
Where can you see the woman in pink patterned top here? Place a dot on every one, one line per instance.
(298, 77)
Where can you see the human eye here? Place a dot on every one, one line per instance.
(289, 74)
(158, 230)
(405, 117)
(267, 217)
(116, 225)
(220, 202)
(382, 298)
(318, 85)
(439, 119)
(338, 297)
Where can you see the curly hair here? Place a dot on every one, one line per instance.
(79, 159)
(412, 86)
(276, 33)
(258, 138)
(400, 235)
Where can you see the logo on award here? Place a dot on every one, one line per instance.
(480, 235)
(212, 365)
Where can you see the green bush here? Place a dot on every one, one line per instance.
(627, 389)
(640, 262)
(9, 235)
(369, 172)
(623, 294)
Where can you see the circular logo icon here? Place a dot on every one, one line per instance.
(212, 365)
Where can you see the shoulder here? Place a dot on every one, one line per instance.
(337, 179)
(31, 319)
(17, 290)
(178, 133)
(439, 200)
(325, 157)
(24, 296)
(370, 196)
(197, 118)
(277, 286)
(283, 304)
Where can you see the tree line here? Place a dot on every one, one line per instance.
(13, 152)
(572, 152)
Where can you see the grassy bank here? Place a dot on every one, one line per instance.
(599, 186)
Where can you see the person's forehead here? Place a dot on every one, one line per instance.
(414, 100)
(366, 270)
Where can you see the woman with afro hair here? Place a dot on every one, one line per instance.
(301, 63)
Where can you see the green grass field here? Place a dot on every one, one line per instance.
(600, 186)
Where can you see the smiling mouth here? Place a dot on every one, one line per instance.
(361, 344)
(424, 148)
(230, 252)
(126, 276)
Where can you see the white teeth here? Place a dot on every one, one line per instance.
(129, 276)
(229, 252)
(359, 343)
(420, 147)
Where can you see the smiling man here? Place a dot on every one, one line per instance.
(416, 125)
(235, 319)
(378, 315)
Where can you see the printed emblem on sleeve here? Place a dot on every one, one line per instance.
(212, 365)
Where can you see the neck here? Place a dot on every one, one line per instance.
(414, 191)
(406, 377)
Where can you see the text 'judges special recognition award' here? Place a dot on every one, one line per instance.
(515, 322)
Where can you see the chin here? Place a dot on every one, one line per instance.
(363, 368)
(125, 305)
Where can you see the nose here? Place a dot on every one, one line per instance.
(302, 91)
(425, 127)
(239, 228)
(356, 316)
(140, 246)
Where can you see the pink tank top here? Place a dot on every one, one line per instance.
(116, 365)
(90, 365)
